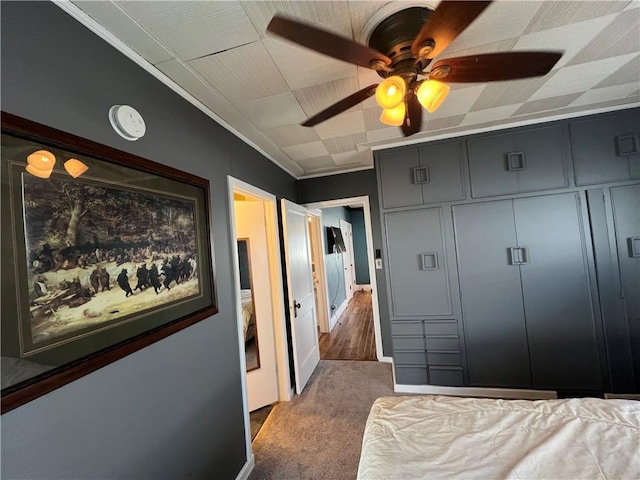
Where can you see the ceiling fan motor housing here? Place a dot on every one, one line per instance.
(394, 36)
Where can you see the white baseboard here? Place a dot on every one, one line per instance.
(366, 287)
(512, 393)
(247, 469)
(385, 359)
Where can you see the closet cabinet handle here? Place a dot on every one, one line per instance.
(519, 255)
(421, 175)
(516, 161)
(634, 247)
(429, 260)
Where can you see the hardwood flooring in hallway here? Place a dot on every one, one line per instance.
(353, 337)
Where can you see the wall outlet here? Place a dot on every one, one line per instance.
(378, 264)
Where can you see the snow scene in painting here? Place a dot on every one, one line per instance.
(97, 255)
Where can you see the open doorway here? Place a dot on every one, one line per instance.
(349, 323)
(257, 272)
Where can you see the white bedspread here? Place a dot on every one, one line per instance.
(445, 437)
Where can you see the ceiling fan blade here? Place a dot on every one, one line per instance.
(326, 42)
(339, 107)
(413, 121)
(446, 23)
(492, 67)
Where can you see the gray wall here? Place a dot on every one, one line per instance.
(356, 218)
(347, 185)
(333, 262)
(174, 409)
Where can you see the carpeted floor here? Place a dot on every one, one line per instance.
(318, 434)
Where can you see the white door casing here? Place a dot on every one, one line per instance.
(262, 383)
(348, 260)
(304, 331)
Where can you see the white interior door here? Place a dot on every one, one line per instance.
(262, 382)
(347, 259)
(304, 331)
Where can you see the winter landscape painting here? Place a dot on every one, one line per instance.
(98, 254)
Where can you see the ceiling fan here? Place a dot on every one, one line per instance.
(401, 49)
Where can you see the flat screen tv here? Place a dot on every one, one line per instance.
(335, 241)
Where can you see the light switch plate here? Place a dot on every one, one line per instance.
(378, 264)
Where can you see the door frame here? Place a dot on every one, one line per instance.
(285, 392)
(318, 247)
(363, 201)
(349, 290)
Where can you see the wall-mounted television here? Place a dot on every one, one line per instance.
(335, 241)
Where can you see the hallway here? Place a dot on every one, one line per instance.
(353, 337)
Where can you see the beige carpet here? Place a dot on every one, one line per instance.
(318, 434)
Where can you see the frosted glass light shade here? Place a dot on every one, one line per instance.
(394, 116)
(75, 167)
(38, 173)
(41, 160)
(390, 93)
(431, 94)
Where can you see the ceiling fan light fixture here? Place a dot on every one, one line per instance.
(37, 172)
(75, 167)
(394, 116)
(390, 93)
(431, 94)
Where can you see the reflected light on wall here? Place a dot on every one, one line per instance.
(431, 94)
(75, 167)
(394, 116)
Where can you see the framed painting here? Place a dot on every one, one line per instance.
(102, 253)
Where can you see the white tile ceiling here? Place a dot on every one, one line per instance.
(262, 87)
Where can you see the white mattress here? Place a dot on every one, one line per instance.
(446, 437)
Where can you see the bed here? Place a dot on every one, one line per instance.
(446, 437)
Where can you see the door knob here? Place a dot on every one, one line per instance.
(296, 306)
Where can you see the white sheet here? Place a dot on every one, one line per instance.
(445, 437)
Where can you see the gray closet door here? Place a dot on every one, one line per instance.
(626, 212)
(563, 348)
(492, 310)
(397, 169)
(444, 172)
(417, 266)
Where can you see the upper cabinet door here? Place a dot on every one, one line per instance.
(416, 176)
(517, 162)
(398, 172)
(441, 172)
(605, 149)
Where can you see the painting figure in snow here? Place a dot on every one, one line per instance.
(99, 255)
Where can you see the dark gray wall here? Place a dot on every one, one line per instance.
(333, 262)
(347, 185)
(356, 218)
(174, 409)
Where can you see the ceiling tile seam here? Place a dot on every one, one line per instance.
(79, 15)
(147, 32)
(211, 54)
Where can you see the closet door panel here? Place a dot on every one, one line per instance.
(444, 166)
(493, 315)
(562, 340)
(399, 187)
(417, 263)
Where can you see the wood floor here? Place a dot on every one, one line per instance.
(352, 338)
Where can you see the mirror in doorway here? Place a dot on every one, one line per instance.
(250, 330)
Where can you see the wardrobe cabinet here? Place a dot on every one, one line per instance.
(517, 162)
(606, 148)
(526, 298)
(419, 176)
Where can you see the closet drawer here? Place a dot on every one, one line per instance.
(516, 162)
(442, 327)
(408, 343)
(410, 358)
(406, 328)
(442, 343)
(444, 358)
(449, 376)
(406, 375)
